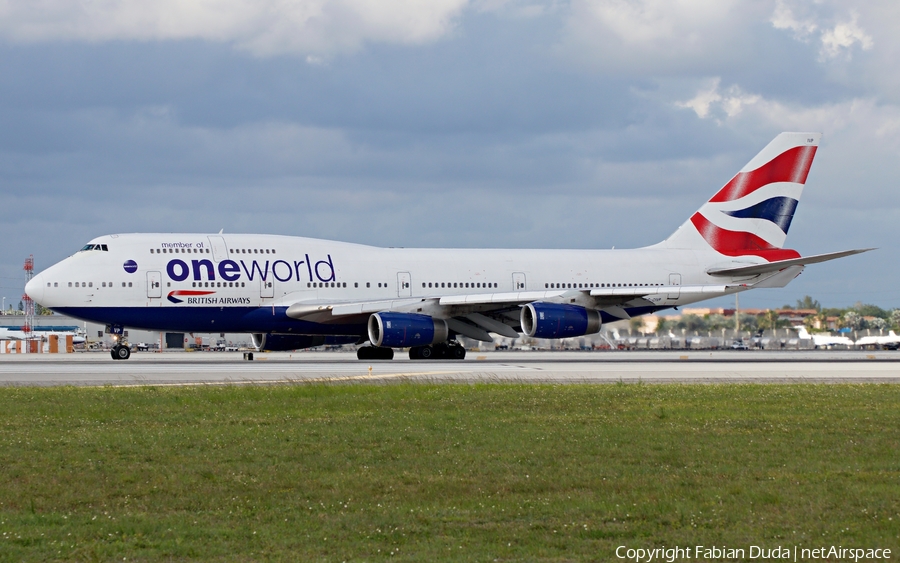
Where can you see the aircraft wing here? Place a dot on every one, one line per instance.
(475, 315)
(767, 267)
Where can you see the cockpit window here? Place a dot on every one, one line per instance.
(102, 247)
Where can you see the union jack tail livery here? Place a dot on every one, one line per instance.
(751, 214)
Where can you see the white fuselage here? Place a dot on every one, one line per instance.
(137, 275)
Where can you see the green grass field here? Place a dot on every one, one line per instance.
(421, 472)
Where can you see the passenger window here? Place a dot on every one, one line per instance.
(55, 284)
(129, 284)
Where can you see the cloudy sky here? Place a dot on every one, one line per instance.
(579, 124)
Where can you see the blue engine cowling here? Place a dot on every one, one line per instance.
(399, 330)
(286, 342)
(556, 320)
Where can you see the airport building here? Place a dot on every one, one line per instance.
(95, 336)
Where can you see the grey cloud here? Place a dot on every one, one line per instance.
(495, 135)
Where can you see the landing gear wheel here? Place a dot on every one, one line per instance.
(421, 353)
(457, 352)
(121, 352)
(375, 353)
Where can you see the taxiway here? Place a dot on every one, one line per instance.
(690, 366)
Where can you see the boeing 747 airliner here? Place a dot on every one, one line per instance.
(292, 292)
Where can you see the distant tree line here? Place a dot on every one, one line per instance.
(850, 317)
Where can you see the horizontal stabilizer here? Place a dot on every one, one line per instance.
(756, 269)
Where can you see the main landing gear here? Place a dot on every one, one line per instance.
(375, 353)
(444, 350)
(120, 352)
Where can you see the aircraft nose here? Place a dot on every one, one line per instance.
(35, 288)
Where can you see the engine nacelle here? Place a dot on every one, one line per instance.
(399, 330)
(556, 320)
(287, 342)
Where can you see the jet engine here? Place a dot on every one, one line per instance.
(399, 330)
(556, 320)
(286, 342)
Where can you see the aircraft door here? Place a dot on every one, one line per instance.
(154, 284)
(219, 248)
(518, 281)
(674, 280)
(404, 285)
(267, 287)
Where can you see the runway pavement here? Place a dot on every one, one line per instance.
(689, 366)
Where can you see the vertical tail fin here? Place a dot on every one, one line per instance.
(751, 214)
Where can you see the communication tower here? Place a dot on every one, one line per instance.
(28, 324)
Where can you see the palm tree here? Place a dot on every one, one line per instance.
(769, 320)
